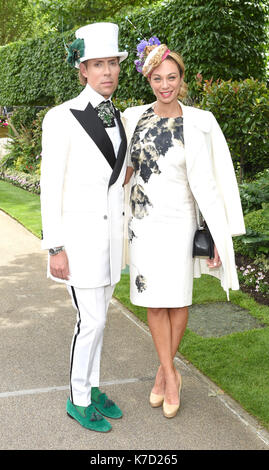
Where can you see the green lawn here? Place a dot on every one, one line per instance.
(238, 363)
(22, 206)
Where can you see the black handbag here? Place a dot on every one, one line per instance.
(203, 243)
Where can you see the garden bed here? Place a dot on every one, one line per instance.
(28, 181)
(253, 278)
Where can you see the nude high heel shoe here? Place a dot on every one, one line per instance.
(170, 411)
(156, 400)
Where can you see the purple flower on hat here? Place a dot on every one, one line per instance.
(141, 46)
(139, 65)
(153, 41)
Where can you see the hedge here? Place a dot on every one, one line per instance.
(218, 38)
(34, 72)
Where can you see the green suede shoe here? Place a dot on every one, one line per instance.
(91, 419)
(104, 405)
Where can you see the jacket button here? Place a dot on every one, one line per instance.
(123, 213)
(105, 217)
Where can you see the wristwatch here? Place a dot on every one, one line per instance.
(55, 251)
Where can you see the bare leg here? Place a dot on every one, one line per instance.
(161, 330)
(165, 346)
(179, 320)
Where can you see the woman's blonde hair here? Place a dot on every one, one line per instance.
(179, 61)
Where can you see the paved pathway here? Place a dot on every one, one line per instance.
(36, 326)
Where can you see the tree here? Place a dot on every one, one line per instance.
(17, 18)
(63, 15)
(23, 19)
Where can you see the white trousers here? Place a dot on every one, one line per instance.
(85, 356)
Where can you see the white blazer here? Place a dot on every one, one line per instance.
(213, 183)
(82, 195)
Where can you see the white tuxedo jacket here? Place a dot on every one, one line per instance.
(213, 184)
(82, 197)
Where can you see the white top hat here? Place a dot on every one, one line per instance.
(100, 41)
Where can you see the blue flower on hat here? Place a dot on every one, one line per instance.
(75, 51)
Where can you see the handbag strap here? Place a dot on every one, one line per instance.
(200, 220)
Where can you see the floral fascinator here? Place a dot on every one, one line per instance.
(151, 53)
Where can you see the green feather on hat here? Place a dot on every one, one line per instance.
(75, 51)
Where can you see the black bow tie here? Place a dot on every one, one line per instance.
(106, 113)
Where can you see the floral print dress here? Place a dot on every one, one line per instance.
(162, 215)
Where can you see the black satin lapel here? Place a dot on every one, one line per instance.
(95, 129)
(121, 152)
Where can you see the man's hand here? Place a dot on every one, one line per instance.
(216, 261)
(59, 266)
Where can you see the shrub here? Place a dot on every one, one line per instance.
(256, 240)
(242, 110)
(254, 193)
(24, 116)
(24, 148)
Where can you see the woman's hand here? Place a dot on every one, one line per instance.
(216, 261)
(128, 175)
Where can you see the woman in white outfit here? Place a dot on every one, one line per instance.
(165, 181)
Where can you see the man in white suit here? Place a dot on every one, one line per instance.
(82, 205)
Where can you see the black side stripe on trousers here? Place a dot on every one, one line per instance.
(74, 341)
